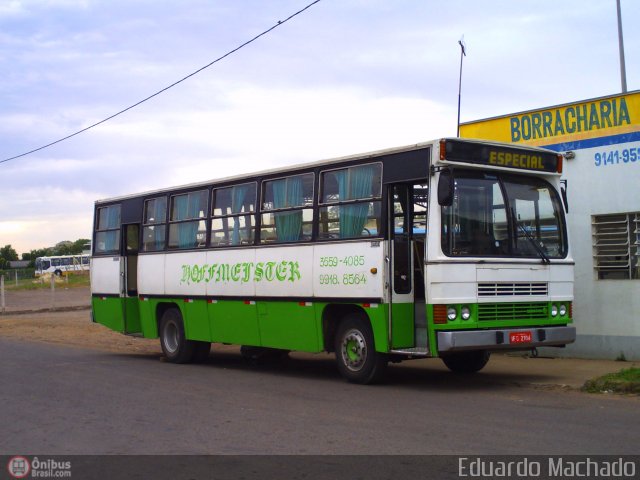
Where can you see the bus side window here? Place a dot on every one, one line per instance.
(154, 231)
(350, 202)
(233, 215)
(187, 227)
(287, 214)
(108, 230)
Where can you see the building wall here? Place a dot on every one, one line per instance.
(603, 178)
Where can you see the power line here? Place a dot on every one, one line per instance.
(280, 22)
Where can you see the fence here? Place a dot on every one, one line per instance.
(18, 276)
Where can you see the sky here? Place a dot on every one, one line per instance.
(343, 77)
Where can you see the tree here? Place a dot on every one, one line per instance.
(63, 248)
(7, 254)
(67, 247)
(78, 246)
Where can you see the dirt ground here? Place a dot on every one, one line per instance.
(63, 317)
(72, 328)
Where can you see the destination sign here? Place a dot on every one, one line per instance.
(499, 156)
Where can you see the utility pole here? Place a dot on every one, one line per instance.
(623, 72)
(463, 54)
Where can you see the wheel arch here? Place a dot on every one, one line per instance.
(332, 315)
(161, 308)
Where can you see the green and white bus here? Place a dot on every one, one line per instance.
(450, 249)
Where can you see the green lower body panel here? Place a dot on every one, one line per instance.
(288, 325)
(131, 315)
(121, 314)
(108, 311)
(233, 321)
(402, 326)
(275, 324)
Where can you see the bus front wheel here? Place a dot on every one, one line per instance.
(466, 362)
(175, 346)
(358, 361)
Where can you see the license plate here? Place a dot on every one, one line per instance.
(520, 337)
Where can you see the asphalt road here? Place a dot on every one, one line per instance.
(65, 400)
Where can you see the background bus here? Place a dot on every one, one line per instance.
(60, 264)
(450, 249)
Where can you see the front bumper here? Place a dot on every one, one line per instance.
(498, 339)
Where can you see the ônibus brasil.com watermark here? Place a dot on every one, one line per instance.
(551, 467)
(22, 467)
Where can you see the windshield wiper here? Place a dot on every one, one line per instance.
(541, 253)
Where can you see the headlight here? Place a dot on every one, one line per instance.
(563, 310)
(452, 313)
(465, 313)
(554, 311)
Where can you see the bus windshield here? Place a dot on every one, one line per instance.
(502, 215)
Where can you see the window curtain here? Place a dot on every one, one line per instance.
(238, 195)
(112, 236)
(159, 216)
(186, 233)
(287, 193)
(354, 183)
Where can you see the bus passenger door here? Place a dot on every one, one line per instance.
(129, 278)
(407, 230)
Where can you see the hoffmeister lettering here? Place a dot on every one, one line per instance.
(242, 272)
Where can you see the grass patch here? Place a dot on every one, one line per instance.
(624, 381)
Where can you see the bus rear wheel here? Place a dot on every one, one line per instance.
(356, 356)
(466, 362)
(175, 346)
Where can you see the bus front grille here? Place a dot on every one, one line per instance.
(512, 311)
(510, 289)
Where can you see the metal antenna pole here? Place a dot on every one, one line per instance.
(463, 54)
(623, 72)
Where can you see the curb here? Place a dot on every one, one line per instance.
(7, 313)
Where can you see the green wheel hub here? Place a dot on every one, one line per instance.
(354, 350)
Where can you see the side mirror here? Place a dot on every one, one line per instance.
(445, 188)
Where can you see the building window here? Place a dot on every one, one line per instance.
(108, 230)
(287, 213)
(188, 225)
(616, 240)
(155, 217)
(350, 202)
(233, 217)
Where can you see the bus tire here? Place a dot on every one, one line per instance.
(58, 273)
(356, 356)
(175, 346)
(466, 362)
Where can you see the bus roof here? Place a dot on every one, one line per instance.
(307, 165)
